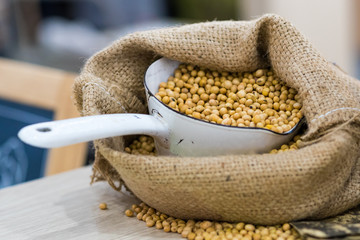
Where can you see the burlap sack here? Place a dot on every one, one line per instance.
(317, 181)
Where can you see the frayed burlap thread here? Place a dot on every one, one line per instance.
(319, 180)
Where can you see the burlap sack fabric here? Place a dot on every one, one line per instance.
(319, 180)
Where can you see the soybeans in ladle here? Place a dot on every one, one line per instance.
(250, 99)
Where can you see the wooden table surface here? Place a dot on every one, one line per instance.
(65, 206)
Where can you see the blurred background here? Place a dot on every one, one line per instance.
(63, 34)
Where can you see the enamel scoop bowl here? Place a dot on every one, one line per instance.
(174, 133)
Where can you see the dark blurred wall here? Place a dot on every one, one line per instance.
(64, 33)
(203, 10)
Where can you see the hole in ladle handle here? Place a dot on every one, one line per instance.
(44, 129)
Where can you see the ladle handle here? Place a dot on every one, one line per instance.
(75, 130)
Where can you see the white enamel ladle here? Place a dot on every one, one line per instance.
(174, 133)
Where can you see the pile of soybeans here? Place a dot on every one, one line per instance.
(209, 230)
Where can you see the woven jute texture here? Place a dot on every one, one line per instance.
(319, 180)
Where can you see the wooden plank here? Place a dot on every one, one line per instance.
(65, 158)
(65, 206)
(30, 84)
